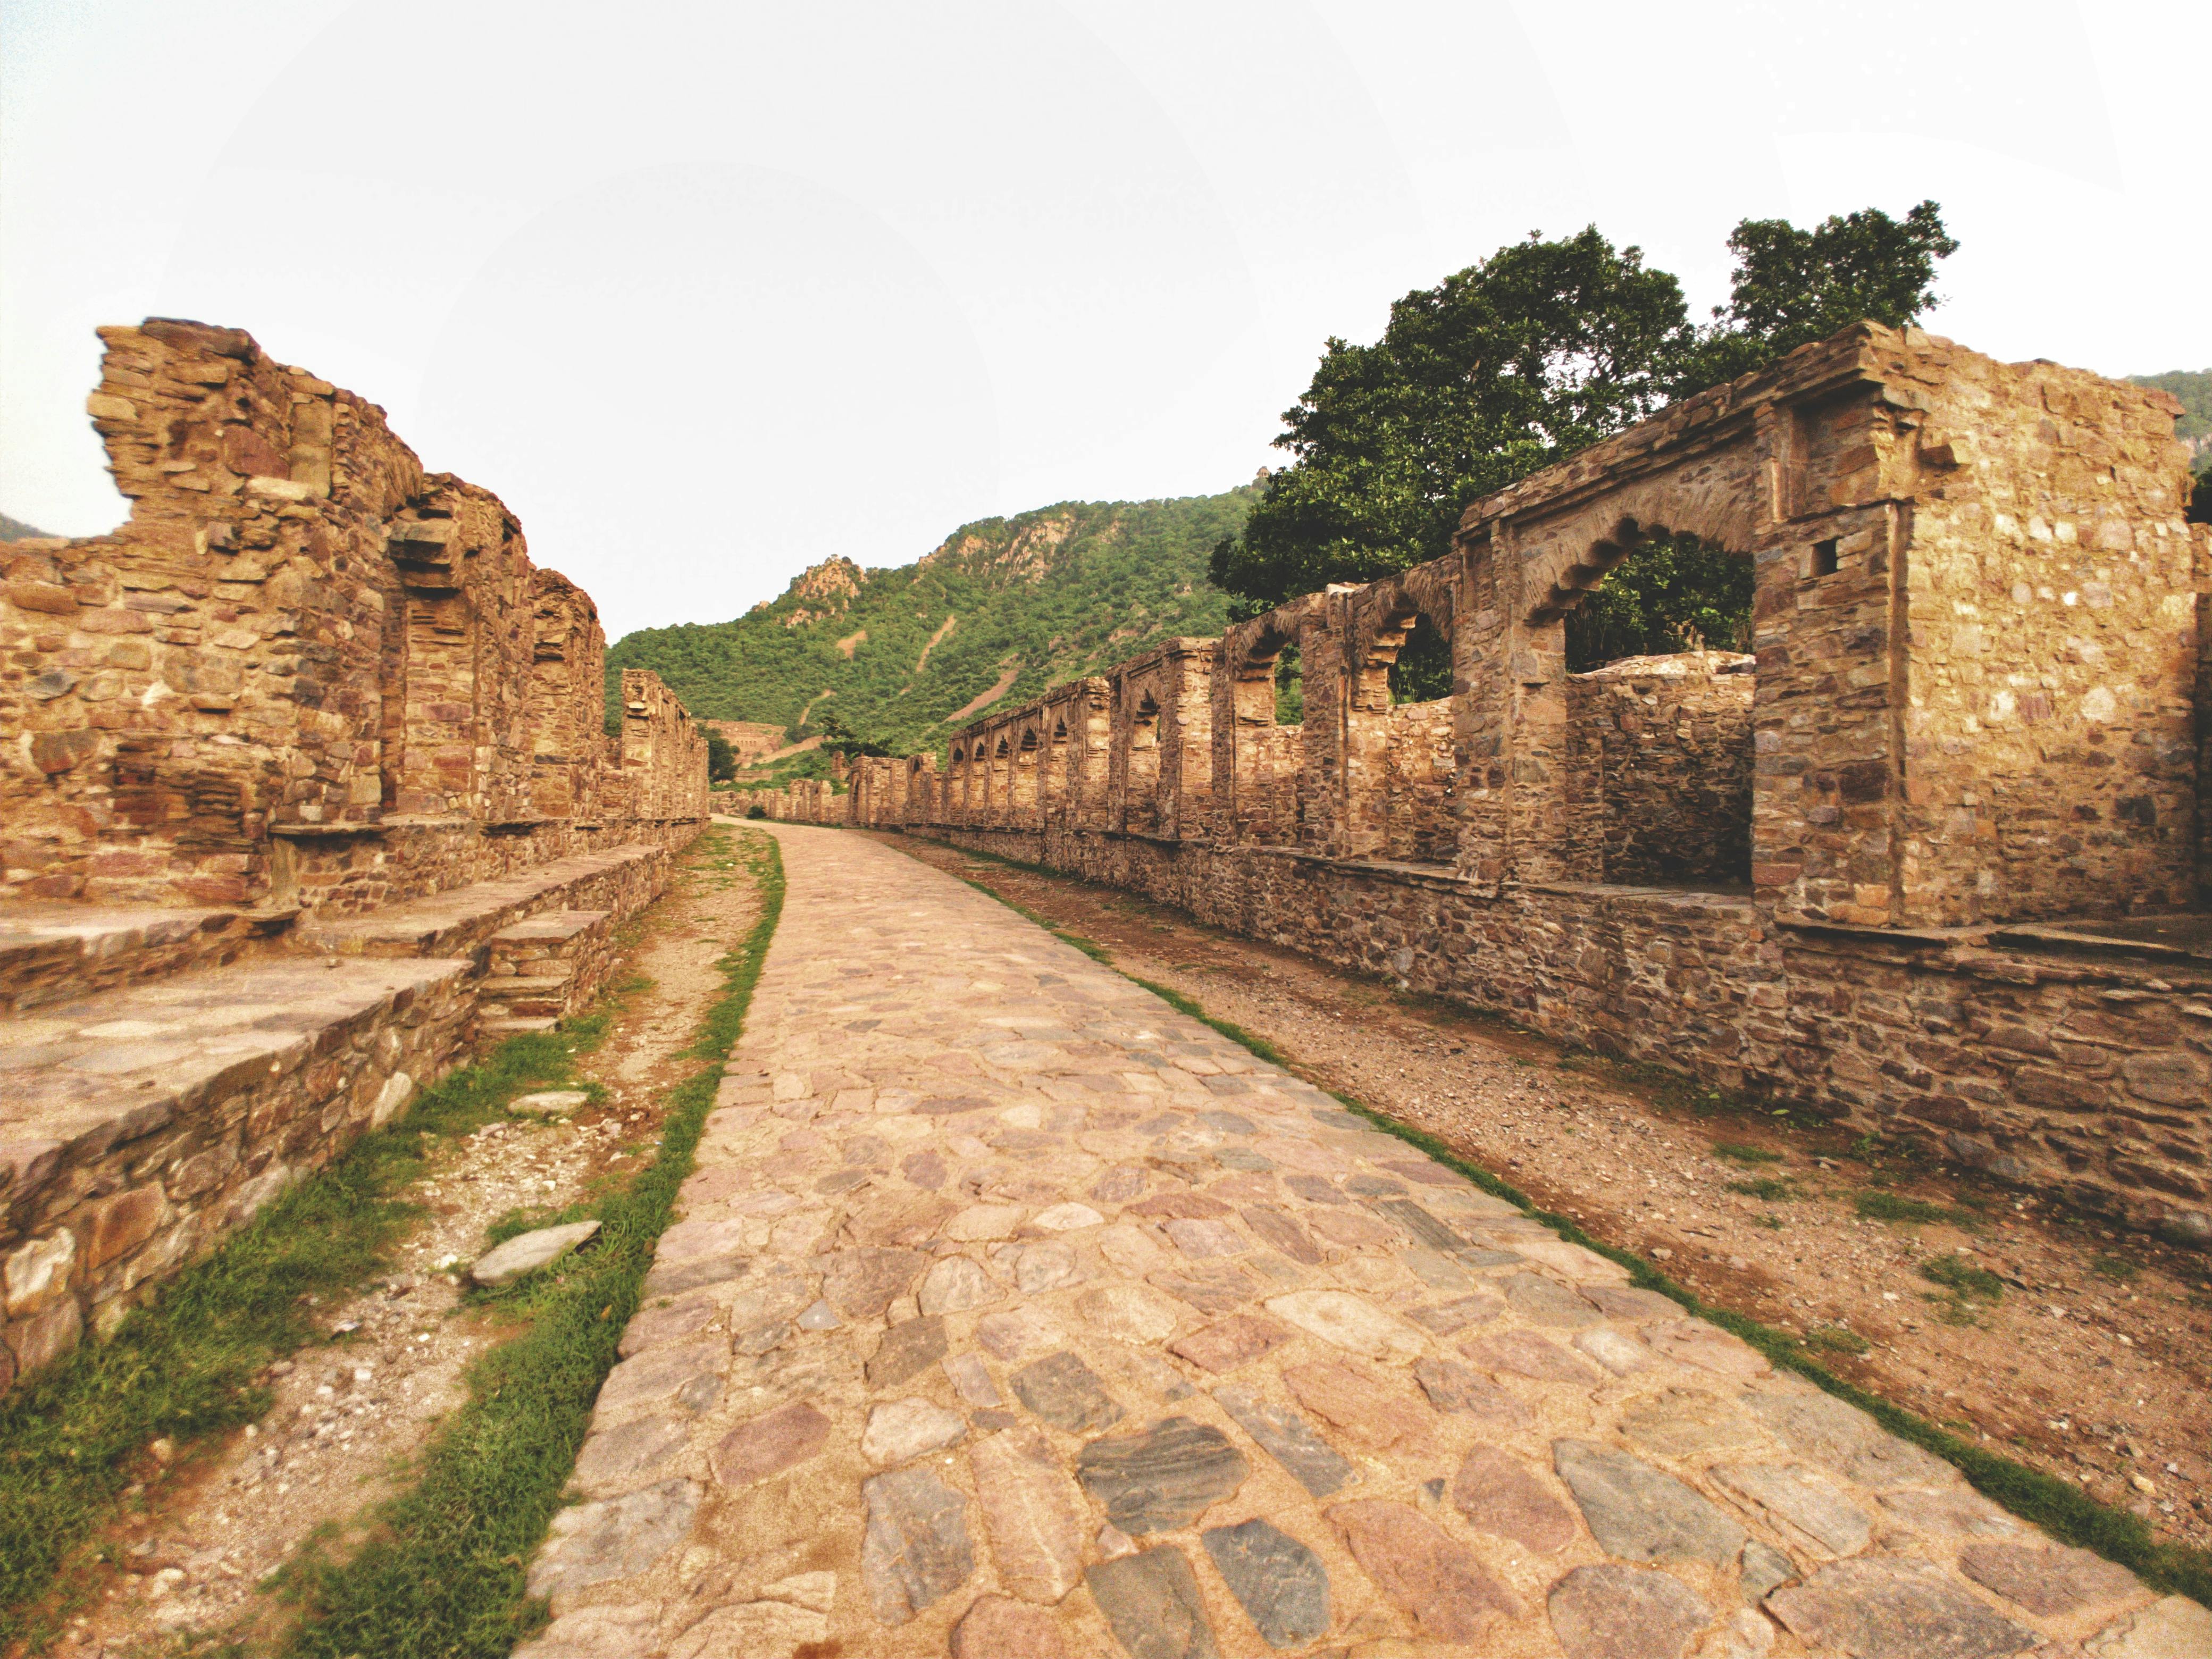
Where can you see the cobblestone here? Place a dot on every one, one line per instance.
(1300, 1445)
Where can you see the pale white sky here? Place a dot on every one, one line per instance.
(708, 292)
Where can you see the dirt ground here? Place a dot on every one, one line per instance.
(201, 1543)
(2086, 1354)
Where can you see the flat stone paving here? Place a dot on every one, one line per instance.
(1010, 1313)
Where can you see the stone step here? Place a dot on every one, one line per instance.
(463, 920)
(554, 928)
(511, 1026)
(50, 952)
(141, 1125)
(518, 994)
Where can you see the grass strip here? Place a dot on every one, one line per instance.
(188, 1364)
(2057, 1506)
(442, 1574)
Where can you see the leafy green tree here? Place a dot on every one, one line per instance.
(1793, 286)
(1536, 353)
(1498, 370)
(721, 763)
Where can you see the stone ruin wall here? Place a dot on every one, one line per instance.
(1937, 866)
(291, 764)
(1660, 769)
(305, 671)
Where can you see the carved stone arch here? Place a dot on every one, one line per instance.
(1385, 613)
(1567, 558)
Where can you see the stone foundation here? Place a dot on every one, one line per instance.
(142, 1127)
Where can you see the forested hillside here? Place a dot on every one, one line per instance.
(1001, 609)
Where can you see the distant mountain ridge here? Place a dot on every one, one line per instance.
(14, 529)
(994, 613)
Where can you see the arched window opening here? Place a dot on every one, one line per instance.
(1143, 812)
(1054, 787)
(1401, 771)
(1660, 700)
(1269, 745)
(1024, 780)
(1422, 669)
(1673, 593)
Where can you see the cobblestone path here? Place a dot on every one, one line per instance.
(1013, 1314)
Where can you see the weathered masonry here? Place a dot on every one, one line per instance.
(304, 781)
(1935, 857)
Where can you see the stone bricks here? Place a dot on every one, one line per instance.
(1451, 1594)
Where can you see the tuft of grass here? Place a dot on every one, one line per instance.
(1957, 1274)
(188, 1365)
(1773, 1188)
(1966, 1289)
(442, 1576)
(1736, 1151)
(2117, 1268)
(2059, 1506)
(1769, 1220)
(1835, 1338)
(1872, 1205)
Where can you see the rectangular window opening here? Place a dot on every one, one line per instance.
(1824, 558)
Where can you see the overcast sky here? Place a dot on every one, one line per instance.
(709, 292)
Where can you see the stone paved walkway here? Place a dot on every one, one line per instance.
(1013, 1314)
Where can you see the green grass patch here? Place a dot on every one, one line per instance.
(188, 1365)
(1835, 1338)
(1736, 1151)
(442, 1574)
(1895, 1207)
(2117, 1268)
(1773, 1188)
(1958, 1274)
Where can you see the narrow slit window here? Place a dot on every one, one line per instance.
(1824, 558)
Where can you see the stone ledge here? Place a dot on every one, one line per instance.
(461, 919)
(49, 952)
(139, 1127)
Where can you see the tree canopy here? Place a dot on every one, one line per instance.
(1539, 352)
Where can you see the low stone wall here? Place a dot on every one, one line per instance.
(1660, 770)
(122, 1160)
(2077, 1073)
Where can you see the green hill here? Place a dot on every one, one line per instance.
(14, 529)
(1001, 609)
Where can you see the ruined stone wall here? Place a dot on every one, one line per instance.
(1977, 703)
(1659, 752)
(300, 644)
(2052, 591)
